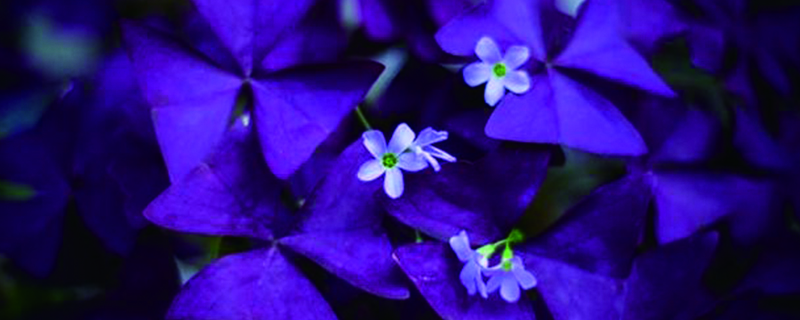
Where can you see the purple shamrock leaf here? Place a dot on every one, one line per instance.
(434, 270)
(234, 194)
(259, 284)
(492, 195)
(600, 234)
(341, 229)
(552, 108)
(296, 109)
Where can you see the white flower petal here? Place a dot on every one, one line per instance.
(439, 153)
(370, 170)
(509, 289)
(494, 91)
(476, 73)
(393, 183)
(516, 56)
(494, 282)
(482, 288)
(412, 162)
(524, 277)
(402, 138)
(517, 82)
(375, 142)
(460, 245)
(430, 136)
(488, 51)
(468, 276)
(431, 161)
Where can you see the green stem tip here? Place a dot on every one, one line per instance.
(362, 118)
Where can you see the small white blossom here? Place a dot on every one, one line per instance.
(509, 276)
(474, 265)
(403, 152)
(499, 72)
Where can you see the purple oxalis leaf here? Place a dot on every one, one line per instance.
(232, 193)
(491, 196)
(434, 268)
(295, 111)
(341, 229)
(259, 284)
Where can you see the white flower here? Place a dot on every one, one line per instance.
(509, 276)
(422, 147)
(474, 265)
(390, 159)
(497, 71)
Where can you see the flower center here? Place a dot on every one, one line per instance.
(507, 265)
(389, 160)
(499, 70)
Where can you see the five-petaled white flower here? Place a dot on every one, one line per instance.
(497, 71)
(403, 152)
(509, 276)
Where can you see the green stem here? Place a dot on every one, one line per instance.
(213, 251)
(362, 118)
(418, 236)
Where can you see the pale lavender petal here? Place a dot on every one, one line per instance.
(411, 162)
(439, 153)
(509, 289)
(460, 245)
(375, 142)
(393, 183)
(402, 138)
(524, 277)
(488, 51)
(517, 82)
(494, 283)
(430, 136)
(477, 73)
(494, 91)
(370, 170)
(468, 275)
(481, 285)
(516, 56)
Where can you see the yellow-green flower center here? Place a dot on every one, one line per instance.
(507, 265)
(499, 70)
(389, 160)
